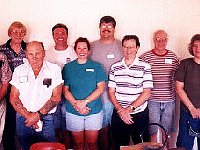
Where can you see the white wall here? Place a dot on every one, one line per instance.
(180, 18)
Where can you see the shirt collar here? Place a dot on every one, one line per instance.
(44, 65)
(23, 45)
(134, 62)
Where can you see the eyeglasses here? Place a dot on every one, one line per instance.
(129, 47)
(106, 26)
(161, 39)
(18, 32)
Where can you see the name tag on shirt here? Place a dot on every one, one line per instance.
(110, 56)
(90, 70)
(23, 79)
(168, 61)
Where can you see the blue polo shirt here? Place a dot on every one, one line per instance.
(82, 80)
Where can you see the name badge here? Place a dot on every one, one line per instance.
(23, 79)
(110, 56)
(90, 70)
(168, 61)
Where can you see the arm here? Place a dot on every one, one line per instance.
(124, 113)
(49, 105)
(69, 97)
(179, 87)
(3, 91)
(93, 96)
(97, 92)
(142, 98)
(16, 102)
(53, 101)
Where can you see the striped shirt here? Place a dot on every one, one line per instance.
(129, 82)
(163, 70)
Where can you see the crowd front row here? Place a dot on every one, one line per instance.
(96, 95)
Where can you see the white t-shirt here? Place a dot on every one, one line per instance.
(60, 57)
(35, 92)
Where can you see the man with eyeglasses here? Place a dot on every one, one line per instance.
(161, 103)
(130, 84)
(106, 50)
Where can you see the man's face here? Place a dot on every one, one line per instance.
(60, 35)
(17, 35)
(107, 30)
(130, 49)
(35, 54)
(160, 40)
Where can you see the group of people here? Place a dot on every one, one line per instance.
(96, 95)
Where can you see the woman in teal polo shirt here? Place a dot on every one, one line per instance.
(84, 82)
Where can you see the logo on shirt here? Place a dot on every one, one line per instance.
(47, 82)
(68, 60)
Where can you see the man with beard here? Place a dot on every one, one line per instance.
(107, 50)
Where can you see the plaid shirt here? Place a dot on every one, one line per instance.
(5, 72)
(14, 59)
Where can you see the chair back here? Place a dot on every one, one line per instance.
(151, 145)
(47, 146)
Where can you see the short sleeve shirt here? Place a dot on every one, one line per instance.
(189, 73)
(35, 92)
(129, 82)
(82, 80)
(60, 57)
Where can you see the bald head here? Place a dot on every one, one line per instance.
(35, 53)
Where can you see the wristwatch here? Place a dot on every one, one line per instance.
(87, 101)
(40, 114)
(132, 107)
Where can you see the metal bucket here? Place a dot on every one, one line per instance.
(151, 145)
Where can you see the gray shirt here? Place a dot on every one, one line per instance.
(106, 55)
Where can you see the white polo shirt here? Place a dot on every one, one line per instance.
(35, 92)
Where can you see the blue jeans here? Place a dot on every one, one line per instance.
(59, 117)
(28, 135)
(184, 139)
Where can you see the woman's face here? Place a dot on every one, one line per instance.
(17, 35)
(196, 49)
(82, 50)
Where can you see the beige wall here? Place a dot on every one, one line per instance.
(180, 18)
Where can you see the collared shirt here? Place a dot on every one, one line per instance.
(129, 82)
(35, 92)
(14, 59)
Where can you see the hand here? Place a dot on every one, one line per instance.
(81, 107)
(84, 111)
(80, 104)
(32, 119)
(124, 114)
(195, 112)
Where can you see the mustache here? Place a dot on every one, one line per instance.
(106, 30)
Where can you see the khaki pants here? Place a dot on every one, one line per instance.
(2, 117)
